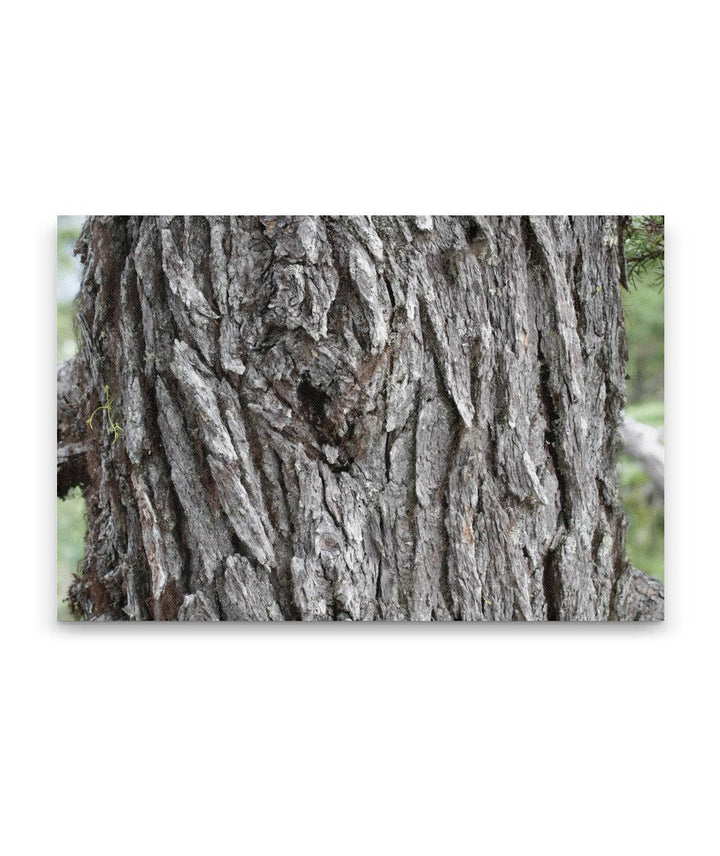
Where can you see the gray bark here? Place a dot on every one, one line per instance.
(71, 449)
(354, 418)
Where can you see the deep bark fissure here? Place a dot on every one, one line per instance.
(552, 432)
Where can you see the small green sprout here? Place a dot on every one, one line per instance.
(113, 426)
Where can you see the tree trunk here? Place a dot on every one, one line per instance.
(359, 418)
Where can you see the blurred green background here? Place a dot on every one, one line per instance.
(71, 510)
(644, 318)
(644, 304)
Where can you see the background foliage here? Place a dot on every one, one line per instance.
(644, 304)
(71, 510)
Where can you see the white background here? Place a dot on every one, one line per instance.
(359, 739)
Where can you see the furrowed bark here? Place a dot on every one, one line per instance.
(359, 418)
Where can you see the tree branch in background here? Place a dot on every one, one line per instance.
(645, 247)
(643, 443)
